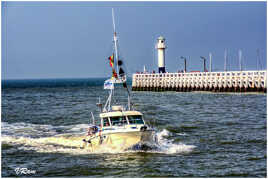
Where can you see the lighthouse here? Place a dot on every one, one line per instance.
(161, 54)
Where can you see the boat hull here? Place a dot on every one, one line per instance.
(117, 141)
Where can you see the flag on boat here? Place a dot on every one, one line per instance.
(111, 58)
(108, 84)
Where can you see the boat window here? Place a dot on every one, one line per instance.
(136, 119)
(118, 120)
(106, 122)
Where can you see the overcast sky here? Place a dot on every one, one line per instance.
(74, 39)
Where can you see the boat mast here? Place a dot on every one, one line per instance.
(115, 42)
(107, 106)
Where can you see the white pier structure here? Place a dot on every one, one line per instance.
(230, 81)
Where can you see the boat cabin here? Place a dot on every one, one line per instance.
(121, 118)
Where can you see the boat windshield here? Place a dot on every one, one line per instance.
(135, 119)
(118, 120)
(106, 122)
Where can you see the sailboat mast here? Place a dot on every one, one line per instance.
(115, 43)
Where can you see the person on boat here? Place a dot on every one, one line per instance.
(106, 122)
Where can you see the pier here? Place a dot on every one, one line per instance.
(230, 81)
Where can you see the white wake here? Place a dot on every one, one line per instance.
(31, 137)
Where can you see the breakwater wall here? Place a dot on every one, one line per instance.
(230, 81)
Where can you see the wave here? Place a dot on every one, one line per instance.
(167, 146)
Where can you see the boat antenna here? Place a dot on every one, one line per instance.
(113, 19)
(115, 42)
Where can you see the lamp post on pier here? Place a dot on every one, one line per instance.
(203, 58)
(184, 63)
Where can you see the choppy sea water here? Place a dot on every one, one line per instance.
(200, 134)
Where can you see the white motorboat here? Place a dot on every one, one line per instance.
(121, 127)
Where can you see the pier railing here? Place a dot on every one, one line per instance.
(233, 81)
